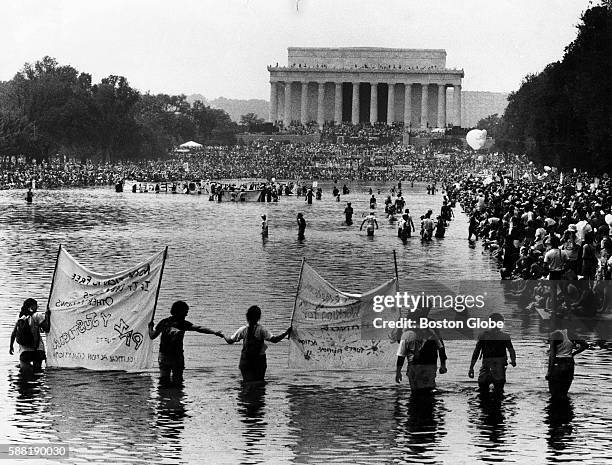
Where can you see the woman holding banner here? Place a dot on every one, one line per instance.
(253, 362)
(27, 333)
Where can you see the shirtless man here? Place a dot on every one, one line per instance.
(371, 220)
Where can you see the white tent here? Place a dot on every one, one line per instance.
(191, 145)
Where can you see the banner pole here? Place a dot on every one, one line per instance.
(161, 274)
(297, 291)
(395, 262)
(53, 278)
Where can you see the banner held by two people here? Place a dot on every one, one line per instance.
(99, 321)
(332, 329)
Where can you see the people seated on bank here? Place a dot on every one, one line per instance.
(493, 345)
(561, 354)
(371, 224)
(26, 332)
(172, 329)
(253, 363)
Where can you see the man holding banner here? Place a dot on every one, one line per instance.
(172, 330)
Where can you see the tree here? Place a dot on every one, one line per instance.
(250, 119)
(114, 103)
(563, 115)
(490, 124)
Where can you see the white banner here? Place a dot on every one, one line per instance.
(101, 321)
(332, 329)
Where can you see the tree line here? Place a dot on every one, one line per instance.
(563, 115)
(48, 108)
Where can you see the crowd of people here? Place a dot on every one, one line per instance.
(559, 227)
(260, 160)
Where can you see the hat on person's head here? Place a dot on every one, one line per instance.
(572, 228)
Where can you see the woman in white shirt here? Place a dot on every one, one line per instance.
(27, 332)
(561, 362)
(253, 362)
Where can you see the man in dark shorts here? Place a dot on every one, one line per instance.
(493, 344)
(172, 330)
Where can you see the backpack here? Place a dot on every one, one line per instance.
(23, 333)
(252, 345)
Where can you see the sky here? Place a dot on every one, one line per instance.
(222, 48)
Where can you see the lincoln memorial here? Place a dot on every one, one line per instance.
(363, 84)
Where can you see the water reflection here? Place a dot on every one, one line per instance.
(559, 417)
(251, 410)
(420, 422)
(489, 415)
(30, 393)
(327, 421)
(104, 413)
(170, 414)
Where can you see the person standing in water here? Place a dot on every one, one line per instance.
(348, 214)
(264, 226)
(561, 354)
(27, 333)
(172, 330)
(493, 344)
(301, 222)
(29, 195)
(253, 363)
(371, 220)
(421, 349)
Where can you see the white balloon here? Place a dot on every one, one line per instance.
(476, 138)
(608, 219)
(547, 168)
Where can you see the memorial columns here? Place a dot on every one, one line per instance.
(373, 103)
(273, 102)
(287, 114)
(320, 103)
(457, 99)
(304, 112)
(441, 105)
(424, 107)
(355, 106)
(338, 104)
(407, 105)
(391, 105)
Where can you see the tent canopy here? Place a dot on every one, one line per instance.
(190, 145)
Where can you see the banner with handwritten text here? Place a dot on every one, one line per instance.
(100, 321)
(329, 327)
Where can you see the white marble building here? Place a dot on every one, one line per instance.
(363, 84)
